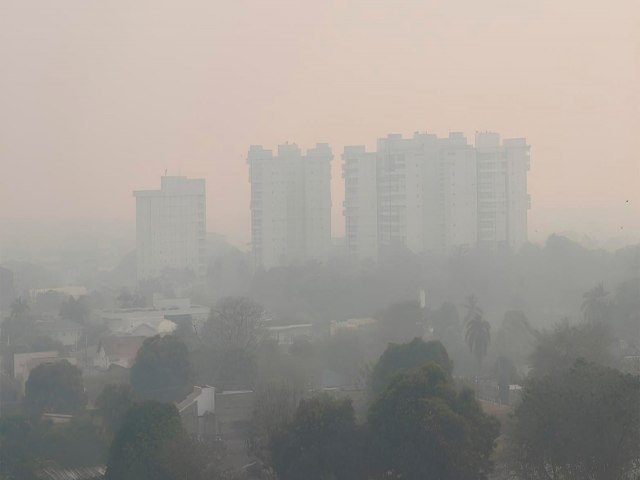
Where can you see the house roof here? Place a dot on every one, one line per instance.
(121, 347)
(82, 473)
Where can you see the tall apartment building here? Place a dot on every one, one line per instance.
(417, 193)
(503, 200)
(171, 227)
(290, 204)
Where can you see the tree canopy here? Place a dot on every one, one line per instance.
(162, 370)
(582, 422)
(422, 428)
(54, 388)
(152, 445)
(321, 442)
(402, 357)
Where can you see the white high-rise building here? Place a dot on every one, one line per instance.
(290, 204)
(171, 227)
(417, 193)
(360, 207)
(503, 200)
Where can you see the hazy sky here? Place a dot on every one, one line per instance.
(99, 97)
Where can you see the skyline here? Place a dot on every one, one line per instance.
(124, 92)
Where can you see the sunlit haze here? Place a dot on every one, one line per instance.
(100, 98)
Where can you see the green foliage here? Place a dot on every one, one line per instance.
(18, 448)
(80, 443)
(559, 348)
(162, 370)
(582, 422)
(54, 388)
(408, 356)
(478, 330)
(152, 445)
(422, 428)
(113, 403)
(274, 407)
(75, 310)
(229, 341)
(595, 304)
(322, 442)
(26, 443)
(516, 339)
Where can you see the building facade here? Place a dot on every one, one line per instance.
(503, 200)
(171, 227)
(290, 204)
(435, 195)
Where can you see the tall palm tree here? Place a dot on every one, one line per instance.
(595, 304)
(478, 337)
(472, 308)
(19, 307)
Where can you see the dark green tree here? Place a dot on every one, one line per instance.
(422, 428)
(581, 423)
(113, 403)
(162, 370)
(322, 442)
(478, 338)
(75, 310)
(558, 349)
(54, 387)
(152, 445)
(595, 304)
(408, 356)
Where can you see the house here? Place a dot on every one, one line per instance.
(118, 350)
(351, 325)
(162, 317)
(65, 331)
(287, 334)
(197, 412)
(207, 412)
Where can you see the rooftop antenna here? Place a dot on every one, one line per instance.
(165, 172)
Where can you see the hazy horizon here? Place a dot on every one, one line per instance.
(104, 97)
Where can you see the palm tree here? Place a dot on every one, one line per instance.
(478, 337)
(19, 307)
(595, 304)
(472, 308)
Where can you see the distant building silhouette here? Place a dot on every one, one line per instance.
(430, 194)
(171, 227)
(290, 205)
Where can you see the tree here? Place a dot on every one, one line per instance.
(162, 370)
(322, 442)
(506, 373)
(113, 403)
(408, 356)
(19, 307)
(473, 310)
(422, 428)
(236, 323)
(558, 349)
(54, 387)
(581, 423)
(152, 445)
(75, 310)
(595, 305)
(228, 343)
(273, 410)
(478, 337)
